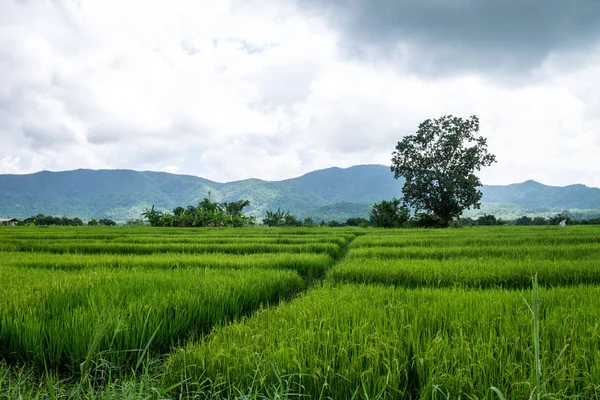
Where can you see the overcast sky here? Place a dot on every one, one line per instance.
(229, 90)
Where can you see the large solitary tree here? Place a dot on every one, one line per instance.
(439, 164)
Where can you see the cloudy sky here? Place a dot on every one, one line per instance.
(275, 88)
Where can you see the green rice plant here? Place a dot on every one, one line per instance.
(574, 252)
(91, 247)
(121, 231)
(354, 341)
(464, 241)
(69, 319)
(512, 273)
(231, 240)
(308, 265)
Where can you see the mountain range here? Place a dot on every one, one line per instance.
(332, 193)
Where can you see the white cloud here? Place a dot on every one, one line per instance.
(234, 89)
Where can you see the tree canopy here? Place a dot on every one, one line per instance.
(207, 213)
(389, 214)
(439, 164)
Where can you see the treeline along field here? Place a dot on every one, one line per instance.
(399, 314)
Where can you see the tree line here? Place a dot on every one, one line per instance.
(394, 214)
(49, 220)
(387, 214)
(206, 214)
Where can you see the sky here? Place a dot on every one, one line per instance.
(272, 89)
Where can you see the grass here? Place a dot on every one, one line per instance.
(308, 265)
(355, 341)
(90, 247)
(66, 318)
(568, 252)
(466, 272)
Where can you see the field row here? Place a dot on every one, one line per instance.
(109, 233)
(90, 247)
(515, 238)
(306, 264)
(505, 272)
(66, 318)
(135, 239)
(567, 252)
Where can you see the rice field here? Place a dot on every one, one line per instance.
(323, 313)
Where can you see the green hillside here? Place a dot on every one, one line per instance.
(265, 196)
(332, 193)
(358, 184)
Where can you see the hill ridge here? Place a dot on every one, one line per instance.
(330, 193)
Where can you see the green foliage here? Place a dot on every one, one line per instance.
(308, 222)
(48, 220)
(358, 221)
(487, 220)
(523, 221)
(427, 220)
(291, 220)
(207, 213)
(274, 218)
(280, 218)
(134, 222)
(101, 222)
(438, 164)
(235, 207)
(389, 214)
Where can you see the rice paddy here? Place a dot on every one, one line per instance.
(97, 312)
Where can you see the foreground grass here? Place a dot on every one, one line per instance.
(355, 341)
(68, 319)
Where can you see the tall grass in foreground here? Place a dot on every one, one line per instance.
(378, 342)
(70, 318)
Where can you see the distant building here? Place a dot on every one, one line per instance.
(8, 221)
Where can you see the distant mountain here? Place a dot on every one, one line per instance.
(118, 194)
(333, 193)
(361, 184)
(532, 194)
